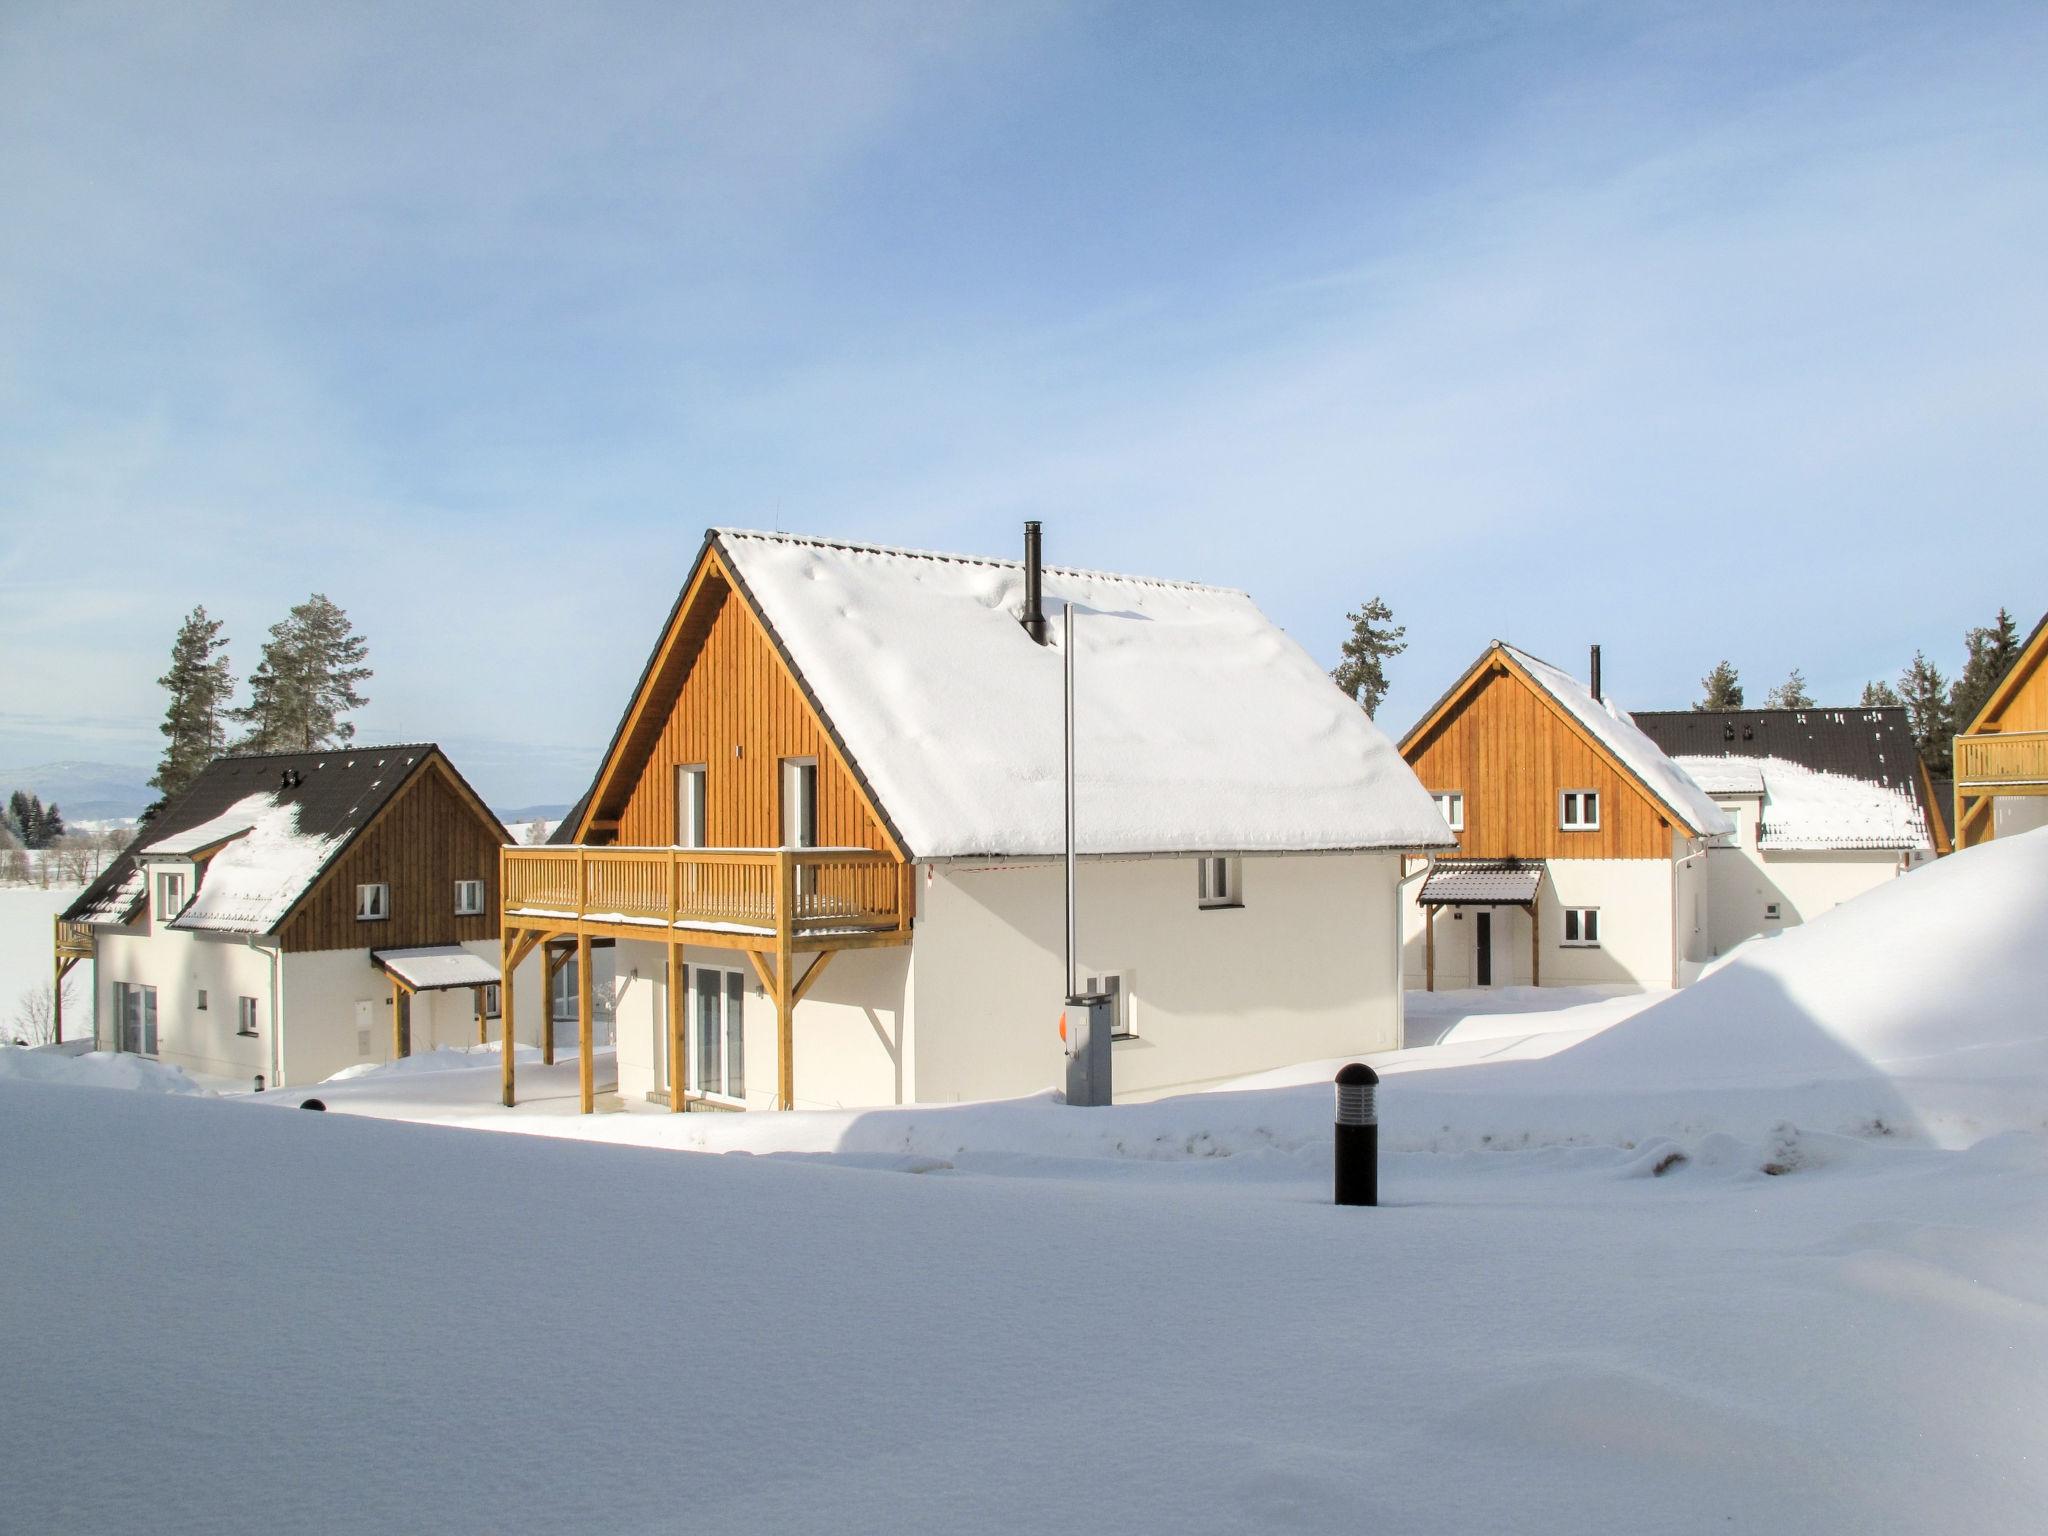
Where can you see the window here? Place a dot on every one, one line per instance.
(718, 1057)
(469, 898)
(1451, 804)
(245, 1016)
(1582, 927)
(799, 802)
(135, 1017)
(1219, 882)
(1770, 911)
(202, 999)
(170, 895)
(1579, 810)
(373, 903)
(1122, 1005)
(493, 1008)
(690, 806)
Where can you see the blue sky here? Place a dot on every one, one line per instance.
(1699, 331)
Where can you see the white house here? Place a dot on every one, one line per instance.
(825, 840)
(1827, 804)
(293, 914)
(1582, 846)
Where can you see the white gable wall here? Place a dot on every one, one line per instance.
(179, 965)
(1747, 880)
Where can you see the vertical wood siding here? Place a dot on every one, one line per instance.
(1506, 749)
(737, 695)
(2027, 709)
(427, 838)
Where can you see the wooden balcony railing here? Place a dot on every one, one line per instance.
(2012, 758)
(741, 890)
(74, 940)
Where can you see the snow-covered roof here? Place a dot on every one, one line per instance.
(1481, 882)
(437, 967)
(1807, 810)
(1636, 752)
(252, 883)
(217, 829)
(1724, 775)
(1202, 727)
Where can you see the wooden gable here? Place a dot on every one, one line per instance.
(2020, 701)
(433, 832)
(720, 693)
(1511, 750)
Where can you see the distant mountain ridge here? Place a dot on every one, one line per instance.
(84, 791)
(554, 812)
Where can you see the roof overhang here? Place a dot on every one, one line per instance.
(1482, 883)
(435, 968)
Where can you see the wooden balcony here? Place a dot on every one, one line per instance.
(737, 898)
(74, 940)
(2012, 762)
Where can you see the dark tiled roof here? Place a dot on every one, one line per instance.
(1874, 744)
(565, 829)
(1482, 882)
(336, 794)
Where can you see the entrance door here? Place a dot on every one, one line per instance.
(1482, 939)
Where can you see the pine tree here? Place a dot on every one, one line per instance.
(199, 684)
(1924, 692)
(1362, 673)
(1991, 652)
(50, 828)
(305, 682)
(23, 811)
(1723, 688)
(1880, 695)
(1790, 694)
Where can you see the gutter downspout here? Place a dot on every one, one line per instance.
(276, 1014)
(1706, 847)
(1400, 973)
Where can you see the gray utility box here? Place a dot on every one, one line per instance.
(1090, 1018)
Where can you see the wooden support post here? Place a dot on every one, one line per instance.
(678, 1063)
(398, 1030)
(57, 1000)
(1429, 947)
(507, 964)
(785, 994)
(586, 1078)
(482, 1035)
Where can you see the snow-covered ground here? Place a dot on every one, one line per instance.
(1770, 1254)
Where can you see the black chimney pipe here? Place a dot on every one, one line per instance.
(1034, 602)
(1597, 699)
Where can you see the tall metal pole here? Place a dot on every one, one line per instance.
(1067, 640)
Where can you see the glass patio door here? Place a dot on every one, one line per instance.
(718, 1064)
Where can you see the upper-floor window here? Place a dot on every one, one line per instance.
(1219, 882)
(1451, 803)
(690, 806)
(1578, 810)
(799, 802)
(170, 894)
(469, 898)
(373, 903)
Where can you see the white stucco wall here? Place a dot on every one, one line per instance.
(1306, 968)
(1635, 898)
(850, 1031)
(1746, 881)
(316, 1028)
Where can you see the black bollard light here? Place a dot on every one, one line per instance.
(311, 1104)
(1358, 1136)
(259, 1082)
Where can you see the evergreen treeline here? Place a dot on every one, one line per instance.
(306, 682)
(30, 822)
(1936, 706)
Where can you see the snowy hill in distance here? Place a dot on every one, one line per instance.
(84, 791)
